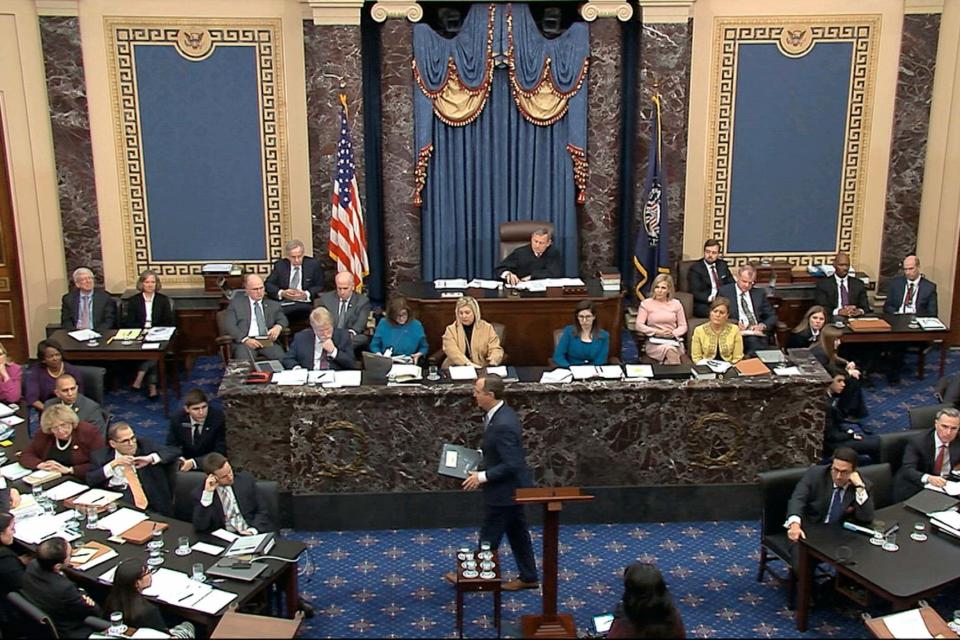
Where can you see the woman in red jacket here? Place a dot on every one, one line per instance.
(63, 443)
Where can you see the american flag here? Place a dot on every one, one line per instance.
(348, 238)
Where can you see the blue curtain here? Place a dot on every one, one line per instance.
(497, 166)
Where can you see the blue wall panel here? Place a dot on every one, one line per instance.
(789, 129)
(202, 154)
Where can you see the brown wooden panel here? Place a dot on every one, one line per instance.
(7, 320)
(13, 325)
(197, 331)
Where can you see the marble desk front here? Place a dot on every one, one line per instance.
(386, 439)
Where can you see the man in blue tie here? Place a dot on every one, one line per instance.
(87, 306)
(829, 495)
(504, 470)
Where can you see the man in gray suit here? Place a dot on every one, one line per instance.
(255, 322)
(348, 308)
(87, 410)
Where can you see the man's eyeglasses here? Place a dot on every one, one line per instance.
(129, 440)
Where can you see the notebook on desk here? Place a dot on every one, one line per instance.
(927, 502)
(236, 569)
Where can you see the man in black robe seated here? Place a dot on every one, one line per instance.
(532, 262)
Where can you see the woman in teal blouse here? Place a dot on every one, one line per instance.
(582, 342)
(399, 332)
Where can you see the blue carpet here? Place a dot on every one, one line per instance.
(388, 583)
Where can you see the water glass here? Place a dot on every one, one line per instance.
(38, 493)
(196, 572)
(117, 628)
(156, 539)
(155, 559)
(183, 546)
(433, 373)
(890, 542)
(919, 531)
(93, 516)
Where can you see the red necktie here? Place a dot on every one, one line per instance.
(713, 276)
(909, 299)
(938, 465)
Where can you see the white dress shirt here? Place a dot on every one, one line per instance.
(910, 306)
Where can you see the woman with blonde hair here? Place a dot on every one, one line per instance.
(718, 339)
(661, 316)
(807, 332)
(470, 340)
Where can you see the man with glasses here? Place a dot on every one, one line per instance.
(68, 394)
(87, 306)
(750, 309)
(829, 495)
(929, 458)
(137, 467)
(255, 322)
(295, 281)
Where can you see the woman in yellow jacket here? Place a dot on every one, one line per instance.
(718, 339)
(471, 340)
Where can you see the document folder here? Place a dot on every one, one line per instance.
(927, 502)
(458, 462)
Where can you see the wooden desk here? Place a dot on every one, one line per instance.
(246, 625)
(530, 318)
(901, 332)
(115, 350)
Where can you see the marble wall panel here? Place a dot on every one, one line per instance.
(332, 60)
(665, 51)
(598, 217)
(401, 222)
(918, 54)
(70, 122)
(385, 439)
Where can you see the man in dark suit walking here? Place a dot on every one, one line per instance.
(296, 281)
(829, 495)
(751, 310)
(45, 586)
(321, 346)
(197, 429)
(705, 278)
(930, 457)
(87, 307)
(228, 500)
(129, 460)
(348, 309)
(911, 294)
(504, 471)
(255, 321)
(842, 295)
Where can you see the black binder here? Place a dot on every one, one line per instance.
(928, 501)
(458, 462)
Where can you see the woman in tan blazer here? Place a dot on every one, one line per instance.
(471, 340)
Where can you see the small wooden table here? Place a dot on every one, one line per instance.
(478, 584)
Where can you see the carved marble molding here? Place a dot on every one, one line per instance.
(397, 9)
(58, 7)
(590, 11)
(666, 11)
(330, 12)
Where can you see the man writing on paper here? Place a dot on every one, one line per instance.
(255, 322)
(197, 429)
(532, 262)
(751, 310)
(829, 494)
(45, 585)
(504, 471)
(295, 280)
(68, 394)
(321, 346)
(136, 467)
(930, 457)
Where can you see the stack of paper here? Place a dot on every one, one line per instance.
(717, 366)
(14, 471)
(484, 284)
(121, 520)
(463, 372)
(450, 283)
(7, 410)
(639, 371)
(97, 498)
(952, 488)
(83, 335)
(159, 334)
(27, 508)
(293, 377)
(176, 588)
(556, 376)
(405, 372)
(349, 378)
(931, 324)
(127, 334)
(66, 490)
(34, 530)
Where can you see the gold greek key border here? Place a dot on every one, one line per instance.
(730, 33)
(122, 35)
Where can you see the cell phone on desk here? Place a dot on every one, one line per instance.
(602, 622)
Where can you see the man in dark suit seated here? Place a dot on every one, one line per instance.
(751, 310)
(68, 393)
(321, 346)
(705, 278)
(45, 586)
(534, 261)
(504, 471)
(830, 495)
(842, 295)
(295, 280)
(87, 307)
(349, 309)
(131, 460)
(228, 500)
(930, 457)
(255, 322)
(197, 429)
(911, 294)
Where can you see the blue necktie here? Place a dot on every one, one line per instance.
(836, 506)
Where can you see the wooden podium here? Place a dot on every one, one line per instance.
(550, 624)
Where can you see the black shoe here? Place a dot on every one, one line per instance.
(305, 607)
